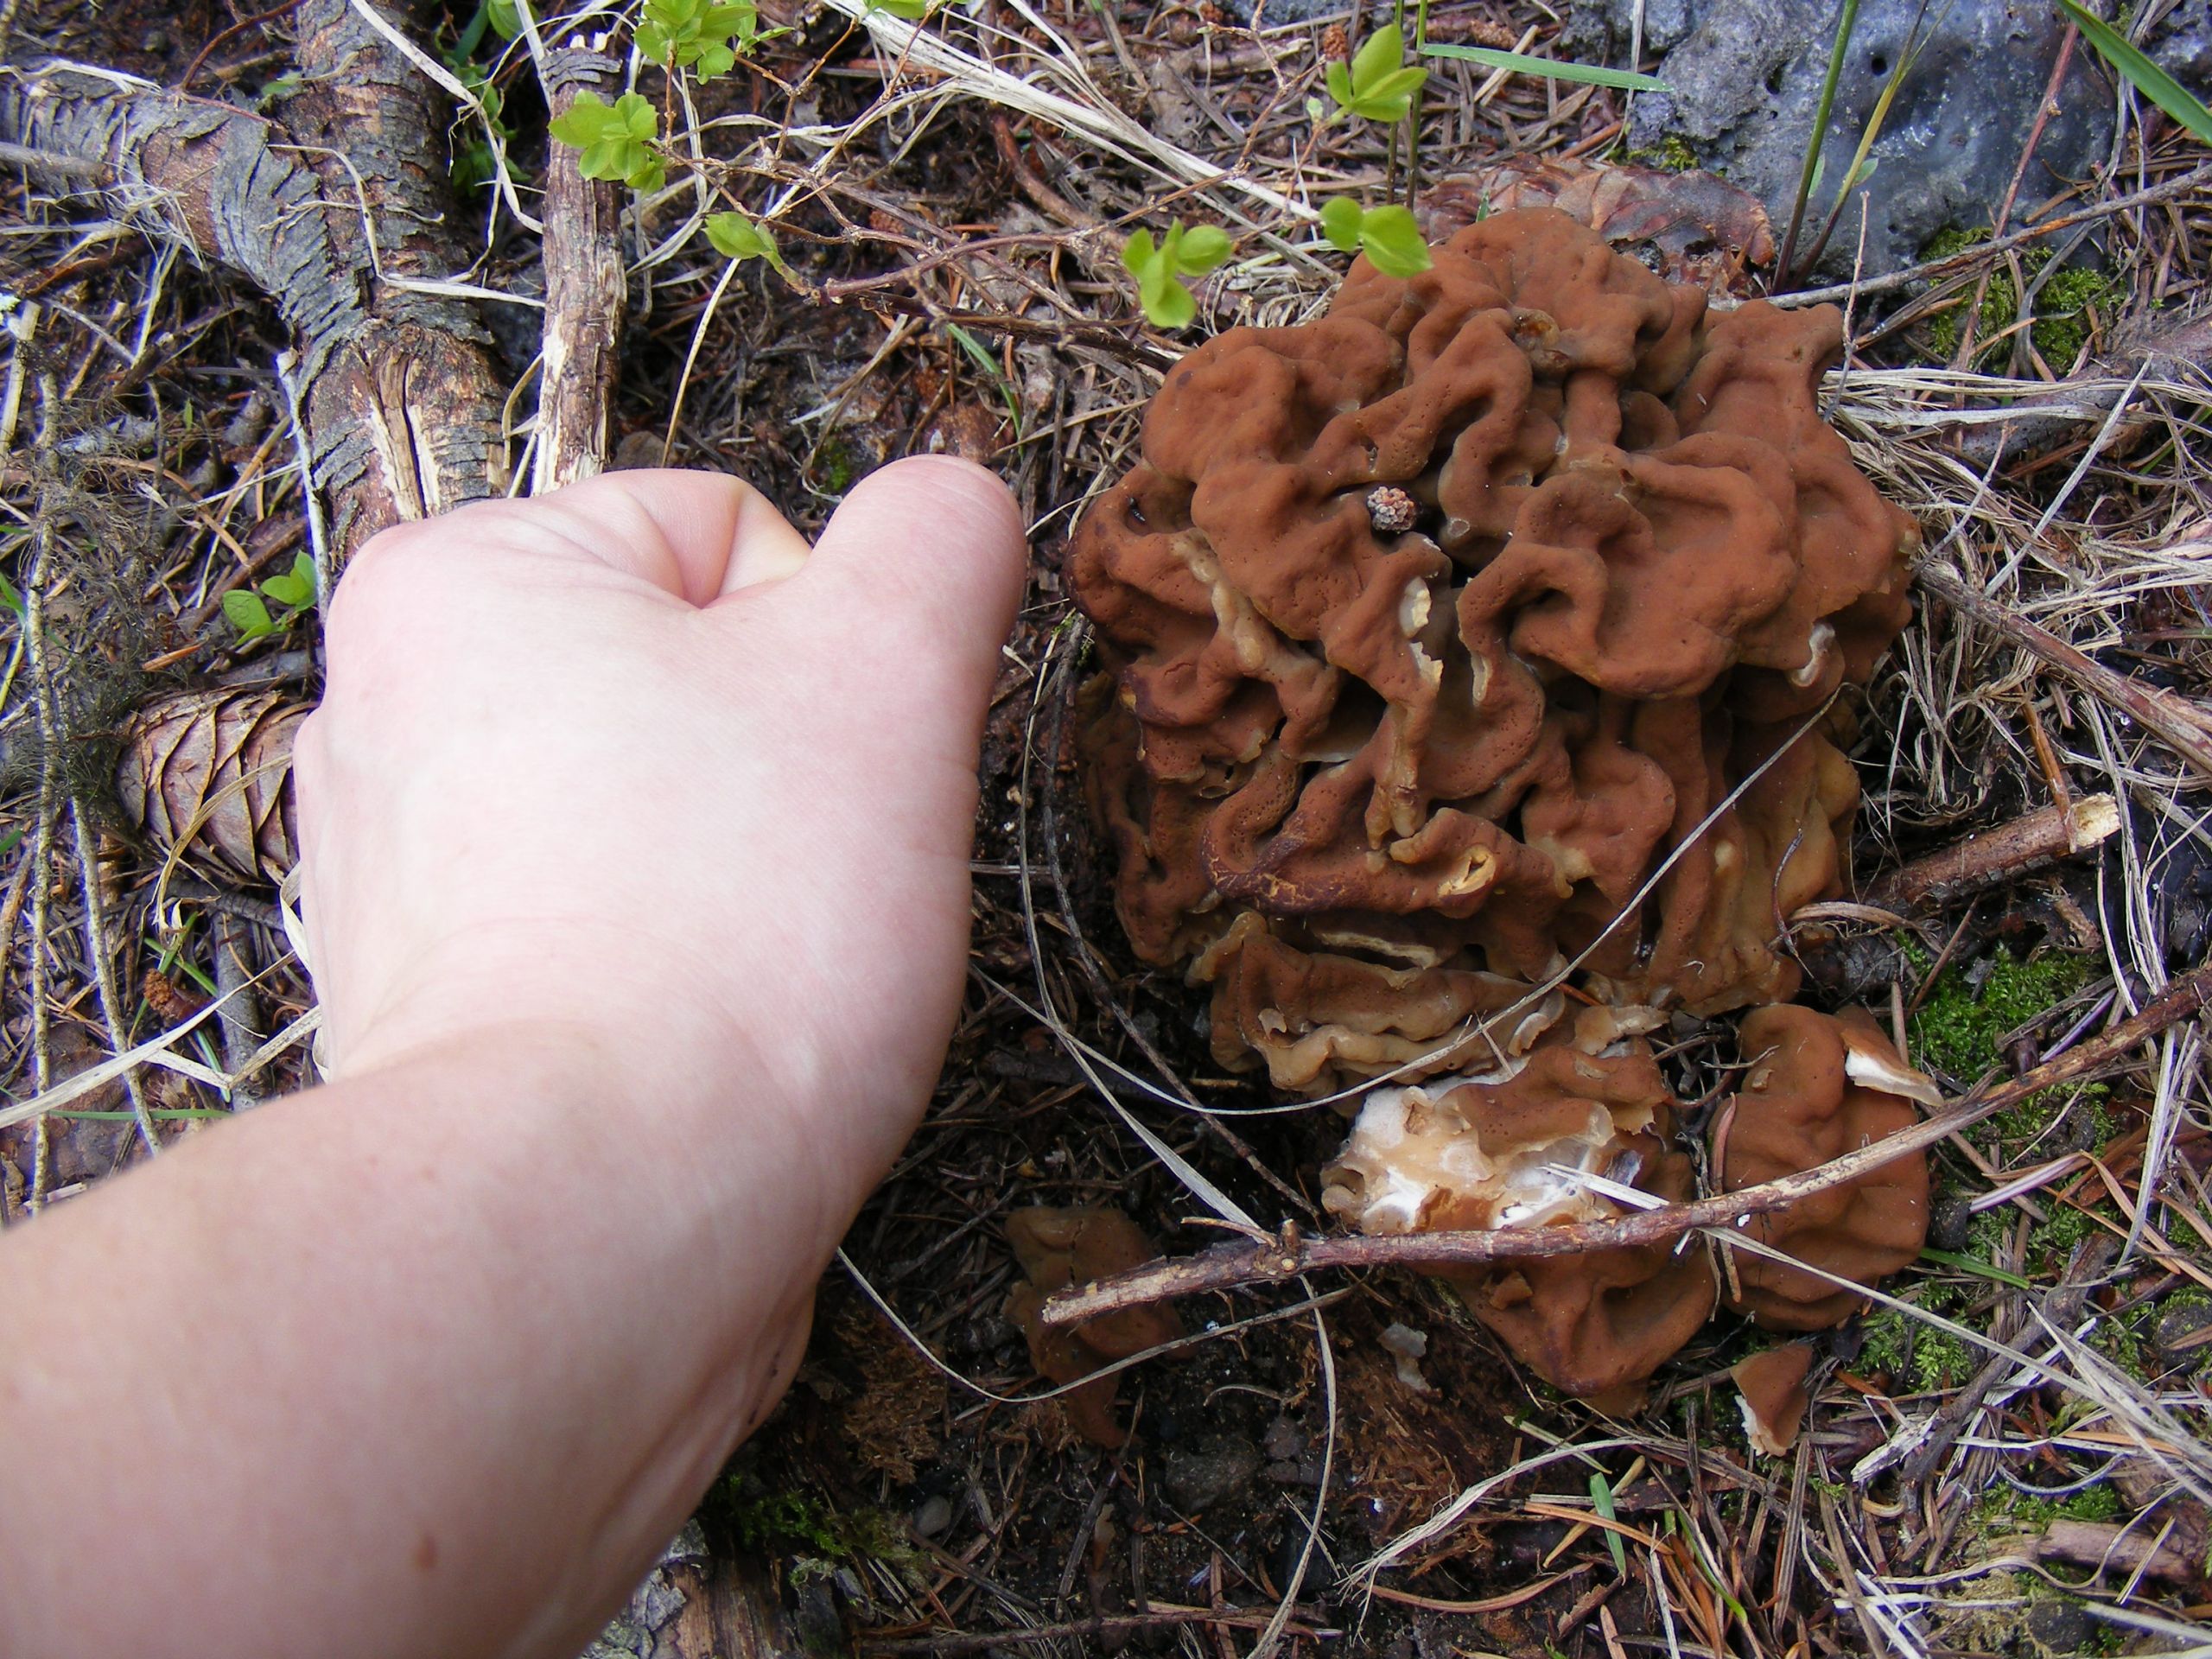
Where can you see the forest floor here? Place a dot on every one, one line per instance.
(2004, 1455)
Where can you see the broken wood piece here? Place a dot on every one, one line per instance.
(1987, 857)
(586, 287)
(2101, 1546)
(330, 214)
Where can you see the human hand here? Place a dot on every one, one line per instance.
(628, 763)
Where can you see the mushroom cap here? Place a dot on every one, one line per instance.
(1801, 1106)
(1771, 1389)
(1421, 754)
(1057, 1248)
(1502, 1151)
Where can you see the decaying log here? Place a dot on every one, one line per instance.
(330, 213)
(585, 289)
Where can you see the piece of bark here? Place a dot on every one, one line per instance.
(1990, 856)
(2099, 1546)
(400, 402)
(585, 288)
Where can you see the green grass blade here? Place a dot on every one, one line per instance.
(1601, 1495)
(1519, 63)
(2154, 83)
(1809, 181)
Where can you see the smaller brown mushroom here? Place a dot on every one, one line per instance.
(1060, 1248)
(1771, 1389)
(1514, 1149)
(1820, 1086)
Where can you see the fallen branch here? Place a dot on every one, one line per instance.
(2160, 346)
(585, 287)
(2181, 727)
(1990, 856)
(333, 213)
(1228, 1266)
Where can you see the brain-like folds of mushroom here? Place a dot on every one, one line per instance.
(1511, 1148)
(1818, 1087)
(1365, 779)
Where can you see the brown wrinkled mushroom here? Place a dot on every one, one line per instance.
(1360, 778)
(1820, 1086)
(1059, 1248)
(1506, 1150)
(1770, 1390)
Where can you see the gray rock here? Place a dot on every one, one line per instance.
(934, 1516)
(1744, 83)
(1273, 14)
(2182, 42)
(2060, 1627)
(1209, 1471)
(1597, 29)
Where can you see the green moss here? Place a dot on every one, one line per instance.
(836, 461)
(2066, 306)
(1672, 154)
(1959, 1027)
(1917, 1357)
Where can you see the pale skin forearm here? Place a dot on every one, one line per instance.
(416, 1363)
(635, 844)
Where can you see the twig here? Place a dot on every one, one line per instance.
(2157, 710)
(103, 966)
(585, 289)
(1163, 1616)
(236, 1007)
(1989, 856)
(1228, 1266)
(1966, 259)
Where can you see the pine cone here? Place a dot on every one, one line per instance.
(209, 774)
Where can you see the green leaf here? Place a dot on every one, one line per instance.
(638, 118)
(1378, 54)
(1203, 248)
(247, 613)
(1379, 85)
(584, 123)
(290, 84)
(913, 11)
(736, 237)
(2147, 77)
(506, 20)
(1340, 222)
(1171, 306)
(1338, 84)
(294, 589)
(1137, 253)
(1519, 63)
(653, 41)
(13, 600)
(1391, 239)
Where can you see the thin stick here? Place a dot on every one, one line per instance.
(1228, 1266)
(2157, 710)
(1967, 258)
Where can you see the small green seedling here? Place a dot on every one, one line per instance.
(1190, 252)
(13, 601)
(293, 591)
(1389, 236)
(911, 11)
(1378, 85)
(616, 140)
(698, 35)
(737, 237)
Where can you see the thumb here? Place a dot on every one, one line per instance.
(924, 560)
